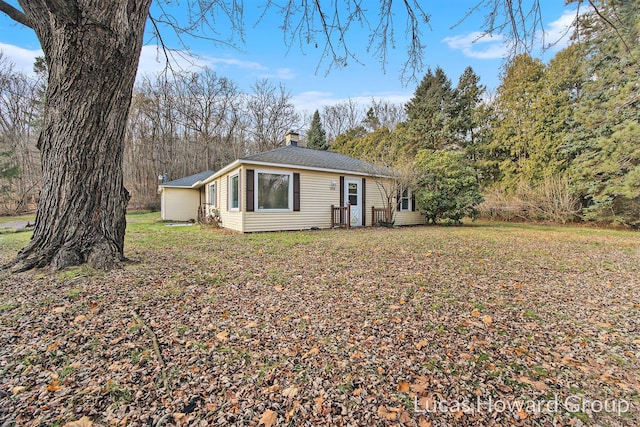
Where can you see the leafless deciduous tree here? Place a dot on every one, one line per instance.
(389, 114)
(19, 126)
(340, 117)
(179, 126)
(271, 114)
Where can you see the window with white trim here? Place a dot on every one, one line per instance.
(213, 194)
(273, 191)
(234, 192)
(405, 200)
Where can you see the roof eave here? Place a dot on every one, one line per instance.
(239, 162)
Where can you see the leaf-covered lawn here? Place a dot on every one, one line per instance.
(427, 326)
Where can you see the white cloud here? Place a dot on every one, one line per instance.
(281, 74)
(478, 45)
(315, 100)
(557, 34)
(22, 59)
(232, 62)
(153, 59)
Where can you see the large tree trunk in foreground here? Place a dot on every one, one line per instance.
(92, 49)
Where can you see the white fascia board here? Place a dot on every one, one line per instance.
(223, 171)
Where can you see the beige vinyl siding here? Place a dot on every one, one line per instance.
(180, 204)
(375, 194)
(409, 218)
(230, 219)
(316, 198)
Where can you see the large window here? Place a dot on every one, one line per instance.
(213, 194)
(234, 192)
(274, 191)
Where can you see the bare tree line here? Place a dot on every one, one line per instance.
(178, 126)
(20, 102)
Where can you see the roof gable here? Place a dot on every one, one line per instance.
(189, 181)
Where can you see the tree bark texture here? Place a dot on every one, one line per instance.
(92, 48)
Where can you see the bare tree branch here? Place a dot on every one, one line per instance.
(15, 14)
(610, 24)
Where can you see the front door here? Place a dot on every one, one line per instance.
(353, 195)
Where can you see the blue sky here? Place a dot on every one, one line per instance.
(265, 55)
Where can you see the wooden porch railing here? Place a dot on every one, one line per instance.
(341, 216)
(380, 216)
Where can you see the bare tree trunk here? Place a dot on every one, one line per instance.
(92, 50)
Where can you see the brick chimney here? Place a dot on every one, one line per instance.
(291, 138)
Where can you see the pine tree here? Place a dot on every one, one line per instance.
(606, 169)
(371, 121)
(469, 123)
(430, 112)
(316, 136)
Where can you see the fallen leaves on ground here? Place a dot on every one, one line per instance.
(332, 328)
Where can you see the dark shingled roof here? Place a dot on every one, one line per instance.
(310, 158)
(188, 181)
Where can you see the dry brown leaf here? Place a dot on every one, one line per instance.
(421, 344)
(54, 386)
(290, 413)
(18, 389)
(272, 389)
(222, 336)
(312, 352)
(290, 391)
(540, 386)
(251, 325)
(403, 387)
(475, 312)
(386, 414)
(82, 422)
(487, 320)
(268, 418)
(53, 345)
(423, 422)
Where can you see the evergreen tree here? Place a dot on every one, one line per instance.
(469, 124)
(447, 187)
(514, 126)
(371, 121)
(606, 143)
(429, 112)
(316, 136)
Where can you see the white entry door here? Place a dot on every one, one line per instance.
(353, 195)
